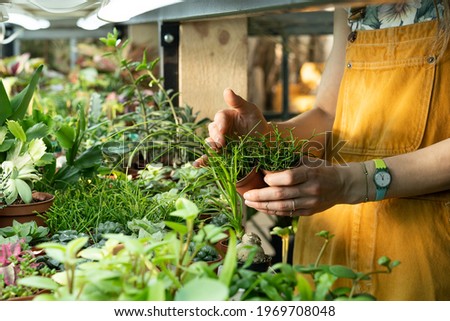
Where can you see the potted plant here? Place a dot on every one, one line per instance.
(279, 150)
(22, 153)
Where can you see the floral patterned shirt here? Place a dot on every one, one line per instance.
(397, 14)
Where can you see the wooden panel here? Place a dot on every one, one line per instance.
(213, 56)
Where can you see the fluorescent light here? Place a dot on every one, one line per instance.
(27, 21)
(62, 6)
(123, 10)
(91, 22)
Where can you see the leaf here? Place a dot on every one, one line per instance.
(186, 209)
(55, 250)
(5, 104)
(157, 290)
(230, 261)
(202, 289)
(177, 227)
(74, 246)
(65, 136)
(24, 191)
(324, 283)
(38, 130)
(39, 282)
(20, 102)
(94, 254)
(16, 129)
(89, 158)
(342, 272)
(304, 288)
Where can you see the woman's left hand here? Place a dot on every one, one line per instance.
(308, 189)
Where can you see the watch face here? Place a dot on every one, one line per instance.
(382, 179)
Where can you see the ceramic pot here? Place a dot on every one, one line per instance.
(260, 266)
(253, 180)
(23, 213)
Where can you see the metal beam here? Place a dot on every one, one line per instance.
(205, 9)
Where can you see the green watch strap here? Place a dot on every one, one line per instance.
(380, 164)
(380, 192)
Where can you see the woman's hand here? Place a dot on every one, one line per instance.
(240, 119)
(309, 189)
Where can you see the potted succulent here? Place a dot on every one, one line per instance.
(22, 153)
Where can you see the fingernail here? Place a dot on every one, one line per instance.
(245, 196)
(195, 164)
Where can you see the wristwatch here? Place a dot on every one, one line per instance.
(382, 179)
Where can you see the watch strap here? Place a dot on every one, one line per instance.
(380, 164)
(380, 192)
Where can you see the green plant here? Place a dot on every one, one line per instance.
(278, 149)
(89, 202)
(22, 148)
(78, 162)
(126, 268)
(286, 282)
(156, 129)
(29, 232)
(15, 264)
(227, 166)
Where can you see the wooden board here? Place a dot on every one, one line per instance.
(213, 56)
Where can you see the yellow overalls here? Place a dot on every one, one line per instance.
(394, 99)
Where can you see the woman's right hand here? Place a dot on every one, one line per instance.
(238, 120)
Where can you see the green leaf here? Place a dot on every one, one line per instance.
(304, 289)
(16, 129)
(74, 246)
(90, 158)
(55, 250)
(38, 130)
(5, 104)
(186, 209)
(342, 272)
(202, 289)
(24, 191)
(65, 136)
(21, 101)
(230, 261)
(39, 282)
(324, 282)
(384, 261)
(157, 290)
(177, 227)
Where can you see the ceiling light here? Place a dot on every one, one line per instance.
(91, 22)
(123, 10)
(26, 21)
(59, 6)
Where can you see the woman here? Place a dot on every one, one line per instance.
(383, 187)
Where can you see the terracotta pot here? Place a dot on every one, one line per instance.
(253, 180)
(222, 247)
(23, 213)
